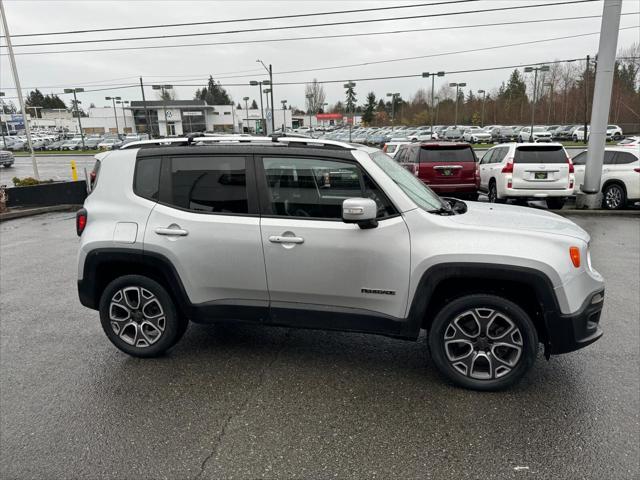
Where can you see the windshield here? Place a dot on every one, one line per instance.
(539, 129)
(417, 191)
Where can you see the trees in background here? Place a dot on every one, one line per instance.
(213, 93)
(315, 96)
(37, 99)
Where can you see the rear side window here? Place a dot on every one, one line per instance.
(447, 153)
(580, 159)
(146, 179)
(624, 158)
(540, 154)
(391, 148)
(213, 184)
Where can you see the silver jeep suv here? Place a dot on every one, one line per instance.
(326, 235)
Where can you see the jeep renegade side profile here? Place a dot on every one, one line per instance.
(326, 235)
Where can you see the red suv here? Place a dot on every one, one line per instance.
(448, 168)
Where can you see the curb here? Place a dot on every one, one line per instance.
(29, 212)
(598, 213)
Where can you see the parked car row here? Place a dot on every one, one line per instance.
(519, 171)
(69, 142)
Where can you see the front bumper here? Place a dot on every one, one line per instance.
(567, 333)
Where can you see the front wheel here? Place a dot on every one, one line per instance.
(139, 316)
(483, 342)
(493, 193)
(555, 203)
(614, 197)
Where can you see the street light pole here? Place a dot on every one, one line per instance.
(393, 107)
(309, 97)
(284, 114)
(457, 85)
(484, 97)
(124, 118)
(270, 71)
(115, 112)
(246, 109)
(433, 86)
(75, 103)
(262, 121)
(543, 68)
(5, 123)
(16, 80)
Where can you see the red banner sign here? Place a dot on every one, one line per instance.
(329, 116)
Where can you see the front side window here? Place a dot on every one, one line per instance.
(417, 191)
(316, 188)
(215, 184)
(487, 157)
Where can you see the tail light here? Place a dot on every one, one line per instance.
(508, 168)
(574, 253)
(81, 221)
(384, 149)
(571, 169)
(636, 170)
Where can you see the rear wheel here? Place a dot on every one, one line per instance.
(139, 316)
(493, 193)
(614, 197)
(555, 203)
(483, 342)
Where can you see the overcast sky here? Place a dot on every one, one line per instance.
(53, 72)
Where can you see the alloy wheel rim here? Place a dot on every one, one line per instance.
(613, 197)
(483, 344)
(136, 316)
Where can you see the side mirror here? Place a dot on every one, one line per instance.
(362, 211)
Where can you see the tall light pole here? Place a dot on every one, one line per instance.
(309, 97)
(115, 112)
(393, 107)
(124, 118)
(254, 83)
(484, 97)
(270, 71)
(16, 80)
(433, 88)
(437, 107)
(75, 104)
(543, 68)
(246, 109)
(284, 114)
(163, 89)
(550, 85)
(458, 86)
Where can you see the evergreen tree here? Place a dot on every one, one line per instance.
(239, 107)
(369, 108)
(254, 104)
(350, 99)
(381, 106)
(213, 93)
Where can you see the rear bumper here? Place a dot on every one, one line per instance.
(453, 188)
(567, 333)
(533, 193)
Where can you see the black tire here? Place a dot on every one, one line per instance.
(492, 194)
(614, 197)
(556, 203)
(491, 373)
(165, 336)
(473, 197)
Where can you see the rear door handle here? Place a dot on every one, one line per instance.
(280, 239)
(178, 232)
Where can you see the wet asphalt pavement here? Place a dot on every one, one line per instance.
(239, 401)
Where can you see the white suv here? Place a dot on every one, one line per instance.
(527, 171)
(476, 135)
(324, 235)
(540, 134)
(620, 184)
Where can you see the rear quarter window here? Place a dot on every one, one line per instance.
(146, 180)
(540, 154)
(447, 153)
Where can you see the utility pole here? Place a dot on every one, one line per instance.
(457, 85)
(550, 85)
(76, 103)
(484, 97)
(270, 72)
(586, 98)
(543, 68)
(605, 67)
(433, 86)
(284, 115)
(146, 112)
(16, 80)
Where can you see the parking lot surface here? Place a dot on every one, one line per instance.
(239, 401)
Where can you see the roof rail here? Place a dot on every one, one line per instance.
(192, 140)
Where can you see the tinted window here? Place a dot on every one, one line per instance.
(446, 153)
(487, 157)
(316, 188)
(209, 184)
(580, 159)
(540, 154)
(499, 155)
(146, 179)
(623, 158)
(609, 157)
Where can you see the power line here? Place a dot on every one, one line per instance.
(319, 37)
(290, 27)
(242, 20)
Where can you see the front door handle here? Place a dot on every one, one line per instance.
(178, 232)
(281, 239)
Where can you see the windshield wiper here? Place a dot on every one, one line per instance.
(442, 211)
